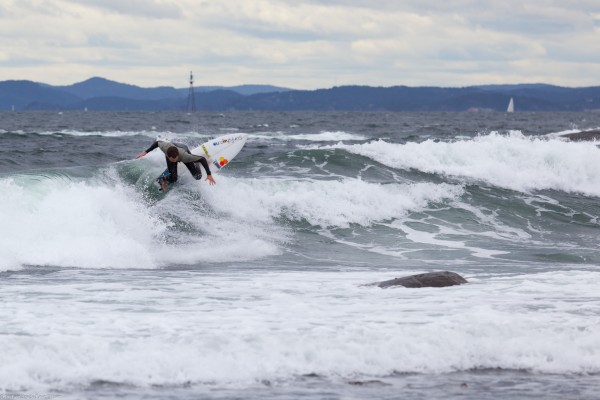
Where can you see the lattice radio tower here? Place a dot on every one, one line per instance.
(191, 100)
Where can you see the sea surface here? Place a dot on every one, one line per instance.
(256, 288)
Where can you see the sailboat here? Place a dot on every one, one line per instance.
(511, 106)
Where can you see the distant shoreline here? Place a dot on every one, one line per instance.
(98, 94)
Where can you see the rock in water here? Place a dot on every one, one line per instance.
(584, 136)
(429, 279)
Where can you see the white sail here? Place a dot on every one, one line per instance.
(511, 106)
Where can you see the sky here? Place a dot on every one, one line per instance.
(302, 44)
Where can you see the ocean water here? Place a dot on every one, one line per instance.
(256, 288)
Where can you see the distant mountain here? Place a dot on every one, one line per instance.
(246, 90)
(508, 88)
(402, 98)
(19, 94)
(97, 94)
(100, 87)
(102, 94)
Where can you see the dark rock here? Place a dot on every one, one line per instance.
(583, 136)
(368, 383)
(429, 279)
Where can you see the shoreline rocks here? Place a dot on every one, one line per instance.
(583, 135)
(429, 279)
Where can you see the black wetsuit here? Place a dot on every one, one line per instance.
(191, 161)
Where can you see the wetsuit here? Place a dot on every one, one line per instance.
(191, 161)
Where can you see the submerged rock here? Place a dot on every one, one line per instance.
(429, 279)
(368, 383)
(584, 135)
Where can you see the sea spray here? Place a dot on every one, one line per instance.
(71, 222)
(511, 161)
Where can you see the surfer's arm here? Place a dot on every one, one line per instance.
(154, 146)
(148, 150)
(204, 163)
(189, 157)
(209, 177)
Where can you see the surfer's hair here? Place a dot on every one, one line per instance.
(172, 152)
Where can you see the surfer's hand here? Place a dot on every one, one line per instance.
(211, 180)
(142, 154)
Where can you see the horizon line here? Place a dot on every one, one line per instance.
(293, 89)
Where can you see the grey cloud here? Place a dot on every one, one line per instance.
(142, 8)
(304, 43)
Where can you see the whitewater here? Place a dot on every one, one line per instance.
(257, 287)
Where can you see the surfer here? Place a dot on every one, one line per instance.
(175, 153)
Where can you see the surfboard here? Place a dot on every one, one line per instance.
(221, 150)
(162, 181)
(218, 152)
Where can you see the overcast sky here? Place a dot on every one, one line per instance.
(302, 44)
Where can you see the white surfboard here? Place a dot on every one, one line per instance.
(221, 150)
(218, 152)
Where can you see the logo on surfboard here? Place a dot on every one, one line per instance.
(229, 140)
(221, 163)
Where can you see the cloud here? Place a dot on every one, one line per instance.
(141, 8)
(302, 43)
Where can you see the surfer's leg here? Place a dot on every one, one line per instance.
(172, 167)
(195, 170)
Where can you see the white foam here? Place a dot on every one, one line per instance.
(237, 329)
(69, 223)
(100, 223)
(433, 239)
(325, 136)
(324, 203)
(510, 161)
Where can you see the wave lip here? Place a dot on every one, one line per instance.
(512, 161)
(323, 136)
(327, 203)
